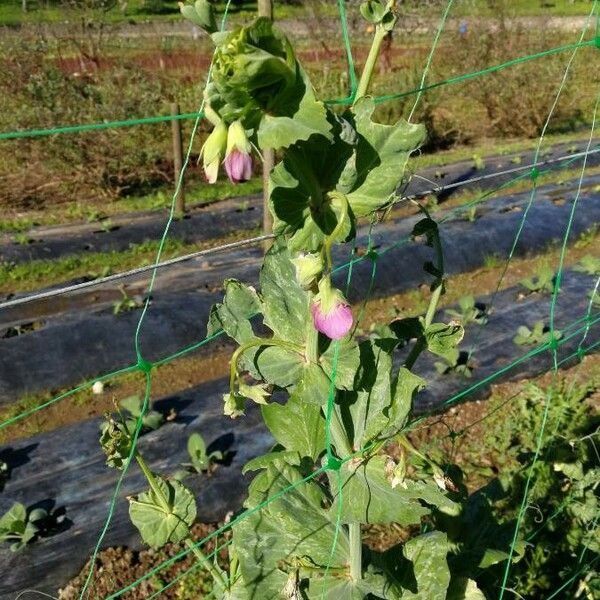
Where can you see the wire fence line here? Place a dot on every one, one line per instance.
(76, 287)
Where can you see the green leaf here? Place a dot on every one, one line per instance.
(344, 588)
(13, 519)
(283, 131)
(373, 396)
(285, 302)
(368, 497)
(240, 304)
(427, 552)
(380, 158)
(462, 588)
(262, 462)
(443, 340)
(196, 447)
(201, 13)
(159, 525)
(348, 362)
(373, 11)
(405, 386)
(297, 426)
(292, 526)
(278, 366)
(314, 386)
(299, 184)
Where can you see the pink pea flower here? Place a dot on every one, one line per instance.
(331, 314)
(238, 166)
(238, 158)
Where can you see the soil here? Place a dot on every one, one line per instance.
(118, 567)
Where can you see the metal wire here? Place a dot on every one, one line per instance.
(137, 271)
(250, 241)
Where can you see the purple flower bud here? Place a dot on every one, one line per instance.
(238, 158)
(336, 323)
(238, 166)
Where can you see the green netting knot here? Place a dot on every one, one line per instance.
(580, 353)
(144, 366)
(372, 255)
(553, 343)
(535, 173)
(333, 464)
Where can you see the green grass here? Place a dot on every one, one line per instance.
(40, 273)
(12, 15)
(95, 211)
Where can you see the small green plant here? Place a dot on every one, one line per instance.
(516, 160)
(22, 239)
(587, 237)
(126, 303)
(19, 527)
(471, 214)
(133, 406)
(540, 334)
(478, 162)
(461, 365)
(201, 461)
(588, 264)
(543, 281)
(469, 311)
(93, 215)
(491, 261)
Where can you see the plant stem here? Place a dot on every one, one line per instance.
(312, 337)
(355, 551)
(214, 570)
(365, 78)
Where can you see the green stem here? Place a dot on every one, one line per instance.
(338, 228)
(213, 569)
(367, 74)
(355, 551)
(251, 344)
(312, 336)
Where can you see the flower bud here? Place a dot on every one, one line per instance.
(331, 313)
(308, 267)
(238, 158)
(213, 150)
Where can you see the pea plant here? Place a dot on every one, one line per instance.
(342, 402)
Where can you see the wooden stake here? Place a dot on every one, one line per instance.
(177, 158)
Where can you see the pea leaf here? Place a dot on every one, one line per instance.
(284, 131)
(443, 340)
(298, 184)
(285, 302)
(296, 426)
(292, 526)
(201, 13)
(160, 525)
(240, 304)
(427, 552)
(276, 365)
(380, 158)
(368, 497)
(462, 588)
(314, 386)
(348, 362)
